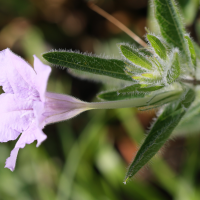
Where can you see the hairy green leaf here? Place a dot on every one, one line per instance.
(191, 50)
(145, 52)
(132, 70)
(108, 67)
(170, 23)
(157, 64)
(159, 99)
(158, 46)
(174, 71)
(108, 82)
(125, 93)
(133, 91)
(135, 57)
(149, 89)
(147, 78)
(164, 97)
(160, 132)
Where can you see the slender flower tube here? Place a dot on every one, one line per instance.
(26, 107)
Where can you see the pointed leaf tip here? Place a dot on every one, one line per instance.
(160, 132)
(126, 181)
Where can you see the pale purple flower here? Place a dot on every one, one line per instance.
(26, 107)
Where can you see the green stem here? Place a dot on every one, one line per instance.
(137, 102)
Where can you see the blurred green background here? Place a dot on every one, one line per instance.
(86, 157)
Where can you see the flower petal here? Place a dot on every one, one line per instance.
(38, 109)
(16, 115)
(43, 71)
(11, 161)
(11, 125)
(16, 75)
(11, 102)
(27, 137)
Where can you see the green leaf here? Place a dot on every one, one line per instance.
(125, 93)
(132, 70)
(174, 71)
(147, 78)
(145, 52)
(108, 82)
(170, 23)
(164, 97)
(135, 57)
(133, 91)
(108, 67)
(160, 132)
(158, 65)
(158, 46)
(191, 50)
(150, 89)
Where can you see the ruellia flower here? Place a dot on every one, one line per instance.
(26, 107)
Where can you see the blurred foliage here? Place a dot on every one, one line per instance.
(86, 157)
